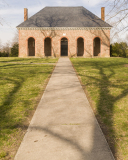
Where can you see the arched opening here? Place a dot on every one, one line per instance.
(47, 46)
(96, 46)
(80, 46)
(64, 47)
(31, 46)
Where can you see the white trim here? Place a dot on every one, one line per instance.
(64, 28)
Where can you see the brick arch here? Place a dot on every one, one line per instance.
(80, 46)
(64, 49)
(64, 37)
(48, 46)
(97, 43)
(80, 37)
(30, 37)
(31, 46)
(47, 37)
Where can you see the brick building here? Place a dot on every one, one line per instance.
(64, 31)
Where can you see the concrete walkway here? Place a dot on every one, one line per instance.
(64, 126)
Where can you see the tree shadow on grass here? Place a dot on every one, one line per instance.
(7, 103)
(106, 101)
(14, 76)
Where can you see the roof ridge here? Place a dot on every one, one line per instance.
(63, 6)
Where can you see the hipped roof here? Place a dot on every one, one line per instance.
(64, 17)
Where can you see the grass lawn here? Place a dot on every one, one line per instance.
(105, 81)
(21, 87)
(27, 60)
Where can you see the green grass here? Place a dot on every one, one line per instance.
(27, 60)
(105, 80)
(21, 86)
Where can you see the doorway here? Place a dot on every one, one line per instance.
(47, 46)
(31, 46)
(64, 47)
(96, 46)
(80, 46)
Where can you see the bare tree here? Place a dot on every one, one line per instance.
(117, 15)
(1, 45)
(127, 39)
(2, 20)
(15, 38)
(7, 46)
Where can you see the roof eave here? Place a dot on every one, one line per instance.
(64, 28)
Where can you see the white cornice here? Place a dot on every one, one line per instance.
(64, 28)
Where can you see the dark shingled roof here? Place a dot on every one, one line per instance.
(64, 17)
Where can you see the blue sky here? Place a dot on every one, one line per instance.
(12, 12)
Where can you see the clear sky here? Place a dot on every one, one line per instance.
(12, 12)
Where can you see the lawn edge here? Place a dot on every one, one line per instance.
(28, 119)
(104, 129)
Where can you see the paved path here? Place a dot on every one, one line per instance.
(64, 126)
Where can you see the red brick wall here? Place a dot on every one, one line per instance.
(71, 35)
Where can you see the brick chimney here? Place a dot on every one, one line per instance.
(25, 14)
(103, 13)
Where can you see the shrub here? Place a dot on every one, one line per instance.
(4, 54)
(115, 55)
(14, 50)
(119, 49)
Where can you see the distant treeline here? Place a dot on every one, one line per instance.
(12, 53)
